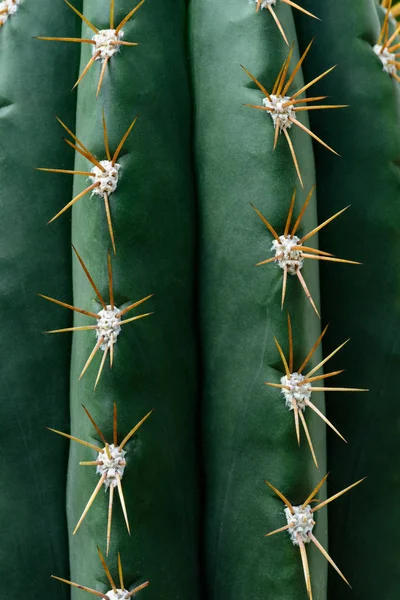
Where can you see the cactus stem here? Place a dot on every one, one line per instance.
(110, 465)
(106, 42)
(300, 526)
(297, 389)
(115, 593)
(281, 107)
(289, 250)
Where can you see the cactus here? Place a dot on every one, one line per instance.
(178, 181)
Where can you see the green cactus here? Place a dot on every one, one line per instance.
(216, 188)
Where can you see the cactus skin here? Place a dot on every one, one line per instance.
(34, 373)
(248, 434)
(368, 137)
(154, 362)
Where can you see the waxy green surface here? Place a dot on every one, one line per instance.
(34, 374)
(362, 304)
(248, 434)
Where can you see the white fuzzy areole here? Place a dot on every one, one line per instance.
(118, 595)
(288, 258)
(385, 56)
(10, 7)
(264, 3)
(111, 467)
(301, 524)
(279, 111)
(108, 326)
(102, 43)
(298, 393)
(107, 180)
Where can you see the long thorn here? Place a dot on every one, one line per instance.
(109, 519)
(285, 528)
(284, 284)
(79, 310)
(304, 128)
(282, 357)
(123, 140)
(306, 12)
(134, 430)
(285, 70)
(86, 69)
(134, 305)
(64, 39)
(93, 422)
(296, 69)
(294, 157)
(136, 318)
(264, 220)
(313, 349)
(103, 360)
(305, 87)
(66, 171)
(122, 500)
(308, 436)
(277, 21)
(102, 73)
(314, 231)
(327, 258)
(321, 364)
(296, 420)
(75, 439)
(120, 573)
(306, 290)
(66, 329)
(112, 8)
(107, 571)
(337, 389)
(258, 84)
(138, 589)
(84, 19)
(328, 558)
(290, 213)
(302, 211)
(315, 491)
(128, 16)
(325, 376)
(82, 587)
(306, 569)
(78, 197)
(323, 417)
(92, 355)
(325, 502)
(109, 221)
(90, 502)
(90, 279)
(281, 496)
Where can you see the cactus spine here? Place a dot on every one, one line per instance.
(130, 409)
